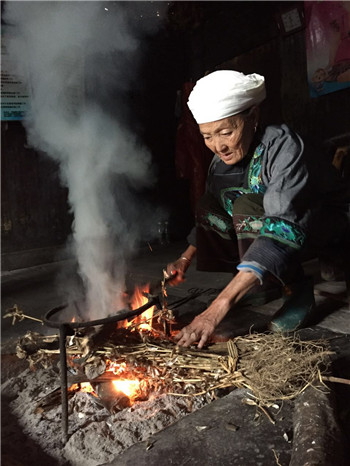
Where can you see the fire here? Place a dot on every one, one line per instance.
(130, 388)
(82, 387)
(115, 367)
(144, 321)
(86, 387)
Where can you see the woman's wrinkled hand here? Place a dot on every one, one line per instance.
(203, 326)
(200, 329)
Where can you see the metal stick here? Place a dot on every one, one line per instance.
(63, 377)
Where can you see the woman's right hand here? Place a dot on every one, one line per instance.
(178, 268)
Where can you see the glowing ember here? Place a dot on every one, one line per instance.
(86, 387)
(130, 388)
(74, 387)
(116, 368)
(82, 387)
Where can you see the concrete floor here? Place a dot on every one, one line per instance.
(38, 289)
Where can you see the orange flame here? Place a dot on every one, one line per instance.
(86, 387)
(82, 387)
(130, 388)
(143, 321)
(116, 368)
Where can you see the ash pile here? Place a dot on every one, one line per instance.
(136, 382)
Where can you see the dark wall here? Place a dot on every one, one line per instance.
(228, 29)
(34, 205)
(163, 73)
(245, 36)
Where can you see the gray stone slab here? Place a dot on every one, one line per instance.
(317, 435)
(226, 432)
(338, 321)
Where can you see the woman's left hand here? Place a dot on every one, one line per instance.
(203, 326)
(200, 329)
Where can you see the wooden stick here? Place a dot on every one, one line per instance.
(32, 318)
(335, 379)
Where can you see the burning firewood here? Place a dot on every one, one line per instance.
(247, 362)
(140, 354)
(95, 337)
(98, 388)
(109, 397)
(94, 367)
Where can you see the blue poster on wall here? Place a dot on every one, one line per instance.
(14, 93)
(327, 46)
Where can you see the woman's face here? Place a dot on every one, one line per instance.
(230, 138)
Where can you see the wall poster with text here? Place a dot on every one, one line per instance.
(14, 93)
(327, 46)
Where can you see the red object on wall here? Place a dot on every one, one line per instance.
(192, 157)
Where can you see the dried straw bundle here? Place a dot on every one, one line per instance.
(272, 366)
(178, 371)
(277, 367)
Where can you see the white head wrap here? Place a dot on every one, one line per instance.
(225, 93)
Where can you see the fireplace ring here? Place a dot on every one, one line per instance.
(66, 328)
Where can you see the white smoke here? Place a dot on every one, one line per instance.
(69, 54)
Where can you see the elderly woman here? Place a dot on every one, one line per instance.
(253, 218)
